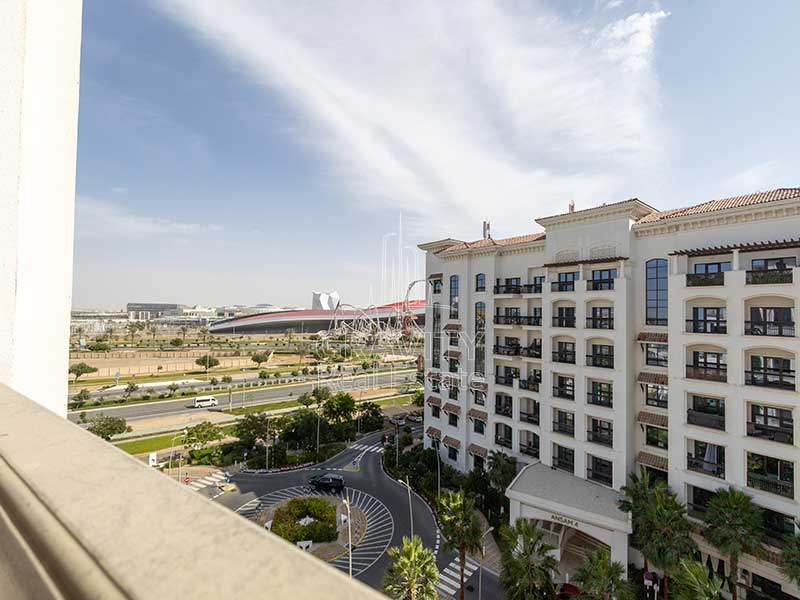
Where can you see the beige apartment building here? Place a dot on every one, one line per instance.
(624, 337)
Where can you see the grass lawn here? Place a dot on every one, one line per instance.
(160, 442)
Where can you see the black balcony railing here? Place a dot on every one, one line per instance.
(502, 409)
(696, 417)
(706, 326)
(529, 449)
(657, 402)
(783, 435)
(560, 391)
(704, 279)
(529, 417)
(604, 361)
(502, 441)
(600, 476)
(769, 328)
(703, 466)
(599, 399)
(530, 384)
(532, 351)
(506, 380)
(564, 356)
(599, 322)
(532, 288)
(563, 321)
(606, 438)
(768, 276)
(773, 485)
(564, 427)
(506, 319)
(707, 373)
(562, 286)
(508, 288)
(531, 320)
(563, 465)
(771, 378)
(595, 285)
(506, 350)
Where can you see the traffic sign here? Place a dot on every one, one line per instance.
(186, 480)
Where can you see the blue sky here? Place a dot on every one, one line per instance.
(247, 152)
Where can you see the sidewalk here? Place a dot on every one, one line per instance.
(491, 559)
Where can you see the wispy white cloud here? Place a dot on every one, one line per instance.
(102, 219)
(444, 112)
(762, 176)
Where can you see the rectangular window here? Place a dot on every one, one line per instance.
(480, 282)
(477, 462)
(656, 355)
(452, 420)
(656, 395)
(656, 291)
(480, 397)
(435, 412)
(712, 267)
(453, 338)
(478, 426)
(452, 453)
(454, 296)
(436, 346)
(767, 264)
(437, 286)
(564, 458)
(453, 393)
(655, 436)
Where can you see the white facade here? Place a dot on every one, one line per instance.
(595, 417)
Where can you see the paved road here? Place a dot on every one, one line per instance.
(251, 397)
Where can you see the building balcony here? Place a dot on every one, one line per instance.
(568, 393)
(604, 361)
(529, 417)
(704, 326)
(562, 286)
(528, 320)
(782, 380)
(71, 531)
(698, 465)
(531, 384)
(532, 288)
(532, 351)
(707, 373)
(704, 279)
(503, 409)
(564, 322)
(502, 441)
(564, 465)
(600, 476)
(529, 449)
(508, 289)
(772, 485)
(504, 380)
(598, 399)
(696, 417)
(565, 428)
(770, 328)
(599, 322)
(599, 285)
(782, 435)
(769, 276)
(604, 438)
(506, 350)
(564, 356)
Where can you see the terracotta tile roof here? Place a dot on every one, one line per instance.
(478, 450)
(452, 408)
(452, 442)
(452, 354)
(480, 415)
(434, 433)
(652, 460)
(487, 242)
(479, 386)
(434, 401)
(659, 338)
(435, 276)
(723, 204)
(604, 205)
(653, 419)
(655, 378)
(452, 327)
(434, 376)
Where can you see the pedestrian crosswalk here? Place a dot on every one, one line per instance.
(450, 577)
(215, 478)
(376, 448)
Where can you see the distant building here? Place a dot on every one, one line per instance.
(324, 300)
(148, 311)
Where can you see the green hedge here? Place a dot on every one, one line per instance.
(322, 529)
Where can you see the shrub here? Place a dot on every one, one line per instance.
(227, 379)
(98, 347)
(214, 381)
(322, 529)
(406, 440)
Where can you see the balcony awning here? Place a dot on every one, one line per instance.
(653, 419)
(434, 376)
(433, 401)
(434, 276)
(479, 386)
(652, 460)
(451, 381)
(478, 450)
(745, 247)
(658, 338)
(480, 415)
(434, 433)
(451, 442)
(452, 408)
(452, 354)
(654, 378)
(452, 327)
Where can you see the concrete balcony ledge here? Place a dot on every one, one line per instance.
(81, 519)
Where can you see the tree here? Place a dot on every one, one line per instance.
(339, 408)
(79, 332)
(734, 526)
(693, 582)
(184, 329)
(460, 526)
(207, 362)
(300, 429)
(413, 573)
(173, 387)
(152, 328)
(418, 398)
(638, 496)
(133, 329)
(527, 565)
(371, 416)
(502, 469)
(202, 434)
(80, 369)
(130, 389)
(253, 428)
(790, 559)
(258, 358)
(176, 342)
(110, 330)
(602, 579)
(664, 534)
(80, 398)
(263, 374)
(305, 399)
(107, 427)
(321, 394)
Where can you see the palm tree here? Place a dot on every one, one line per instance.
(734, 526)
(693, 582)
(664, 534)
(460, 526)
(638, 495)
(527, 565)
(502, 469)
(184, 329)
(602, 579)
(790, 559)
(79, 333)
(110, 330)
(133, 329)
(413, 573)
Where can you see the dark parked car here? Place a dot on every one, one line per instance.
(326, 481)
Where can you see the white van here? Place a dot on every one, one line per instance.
(202, 401)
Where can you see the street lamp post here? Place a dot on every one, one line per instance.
(349, 538)
(483, 552)
(438, 473)
(410, 509)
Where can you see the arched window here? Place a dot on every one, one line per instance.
(480, 282)
(454, 296)
(656, 307)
